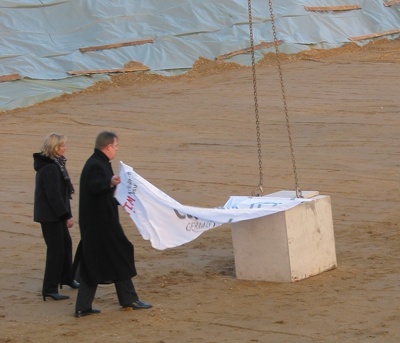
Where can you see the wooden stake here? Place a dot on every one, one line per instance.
(390, 3)
(107, 71)
(373, 35)
(10, 77)
(115, 45)
(247, 50)
(332, 8)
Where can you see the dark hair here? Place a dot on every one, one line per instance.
(104, 138)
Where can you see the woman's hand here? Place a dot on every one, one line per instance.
(70, 223)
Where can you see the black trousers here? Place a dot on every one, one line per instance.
(125, 291)
(58, 268)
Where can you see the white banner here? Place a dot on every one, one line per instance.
(167, 223)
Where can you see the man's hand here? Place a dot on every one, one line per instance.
(115, 180)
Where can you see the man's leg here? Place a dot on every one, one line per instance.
(128, 297)
(126, 292)
(84, 300)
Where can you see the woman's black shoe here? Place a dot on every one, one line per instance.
(73, 284)
(55, 296)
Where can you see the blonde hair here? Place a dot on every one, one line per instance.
(52, 143)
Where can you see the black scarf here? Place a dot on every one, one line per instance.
(60, 162)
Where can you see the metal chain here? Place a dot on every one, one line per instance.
(296, 182)
(259, 190)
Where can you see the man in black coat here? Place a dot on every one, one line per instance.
(105, 255)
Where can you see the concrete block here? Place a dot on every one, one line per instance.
(287, 246)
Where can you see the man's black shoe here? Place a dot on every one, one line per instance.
(80, 314)
(137, 305)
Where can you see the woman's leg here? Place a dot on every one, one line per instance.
(53, 236)
(66, 272)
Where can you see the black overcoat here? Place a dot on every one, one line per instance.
(52, 202)
(105, 254)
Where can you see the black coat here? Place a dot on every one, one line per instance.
(105, 254)
(51, 200)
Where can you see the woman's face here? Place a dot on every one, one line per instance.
(61, 149)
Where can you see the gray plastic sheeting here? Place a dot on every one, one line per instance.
(40, 40)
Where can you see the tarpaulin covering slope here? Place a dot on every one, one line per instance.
(40, 40)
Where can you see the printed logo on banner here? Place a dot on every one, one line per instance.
(130, 185)
(199, 226)
(262, 204)
(194, 224)
(131, 190)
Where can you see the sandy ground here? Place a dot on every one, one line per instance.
(194, 137)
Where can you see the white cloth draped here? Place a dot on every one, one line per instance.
(167, 223)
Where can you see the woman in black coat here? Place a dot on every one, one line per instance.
(53, 190)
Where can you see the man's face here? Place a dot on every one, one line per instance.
(111, 149)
